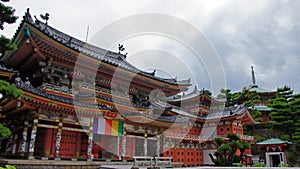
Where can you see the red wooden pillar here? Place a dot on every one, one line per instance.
(78, 145)
(48, 142)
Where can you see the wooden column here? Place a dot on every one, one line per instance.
(48, 142)
(124, 144)
(24, 139)
(33, 138)
(58, 138)
(145, 144)
(90, 140)
(78, 145)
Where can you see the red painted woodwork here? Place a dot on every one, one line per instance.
(48, 143)
(68, 144)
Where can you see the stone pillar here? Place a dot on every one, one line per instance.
(9, 145)
(90, 140)
(145, 144)
(24, 139)
(158, 146)
(58, 138)
(124, 144)
(33, 138)
(14, 147)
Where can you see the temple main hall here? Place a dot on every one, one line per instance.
(83, 102)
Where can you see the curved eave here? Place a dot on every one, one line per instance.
(247, 119)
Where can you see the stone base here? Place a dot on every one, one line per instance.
(31, 158)
(45, 158)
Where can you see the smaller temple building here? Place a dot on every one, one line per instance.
(274, 151)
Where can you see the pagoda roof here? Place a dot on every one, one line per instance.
(260, 107)
(92, 51)
(273, 141)
(257, 89)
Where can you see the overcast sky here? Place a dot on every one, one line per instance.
(260, 33)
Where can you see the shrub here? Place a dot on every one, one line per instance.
(259, 164)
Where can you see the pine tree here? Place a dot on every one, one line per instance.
(231, 98)
(8, 90)
(226, 153)
(6, 16)
(295, 111)
(281, 113)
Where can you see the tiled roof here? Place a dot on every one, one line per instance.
(227, 112)
(273, 141)
(261, 108)
(257, 89)
(94, 51)
(191, 95)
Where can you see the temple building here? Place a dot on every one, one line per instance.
(83, 102)
(274, 153)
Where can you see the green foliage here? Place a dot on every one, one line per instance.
(219, 141)
(281, 112)
(231, 98)
(9, 90)
(283, 165)
(4, 131)
(209, 93)
(8, 167)
(6, 45)
(285, 137)
(259, 164)
(251, 97)
(258, 138)
(6, 16)
(226, 152)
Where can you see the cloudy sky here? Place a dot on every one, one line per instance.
(260, 33)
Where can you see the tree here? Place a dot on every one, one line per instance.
(8, 90)
(226, 152)
(6, 16)
(281, 113)
(295, 112)
(231, 98)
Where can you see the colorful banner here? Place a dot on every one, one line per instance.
(107, 127)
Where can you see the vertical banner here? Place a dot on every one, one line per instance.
(107, 127)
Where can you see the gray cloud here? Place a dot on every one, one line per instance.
(261, 33)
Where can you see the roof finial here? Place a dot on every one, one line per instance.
(45, 17)
(121, 48)
(253, 76)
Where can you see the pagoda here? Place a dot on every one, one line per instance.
(83, 102)
(264, 95)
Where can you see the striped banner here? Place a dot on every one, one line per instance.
(107, 127)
